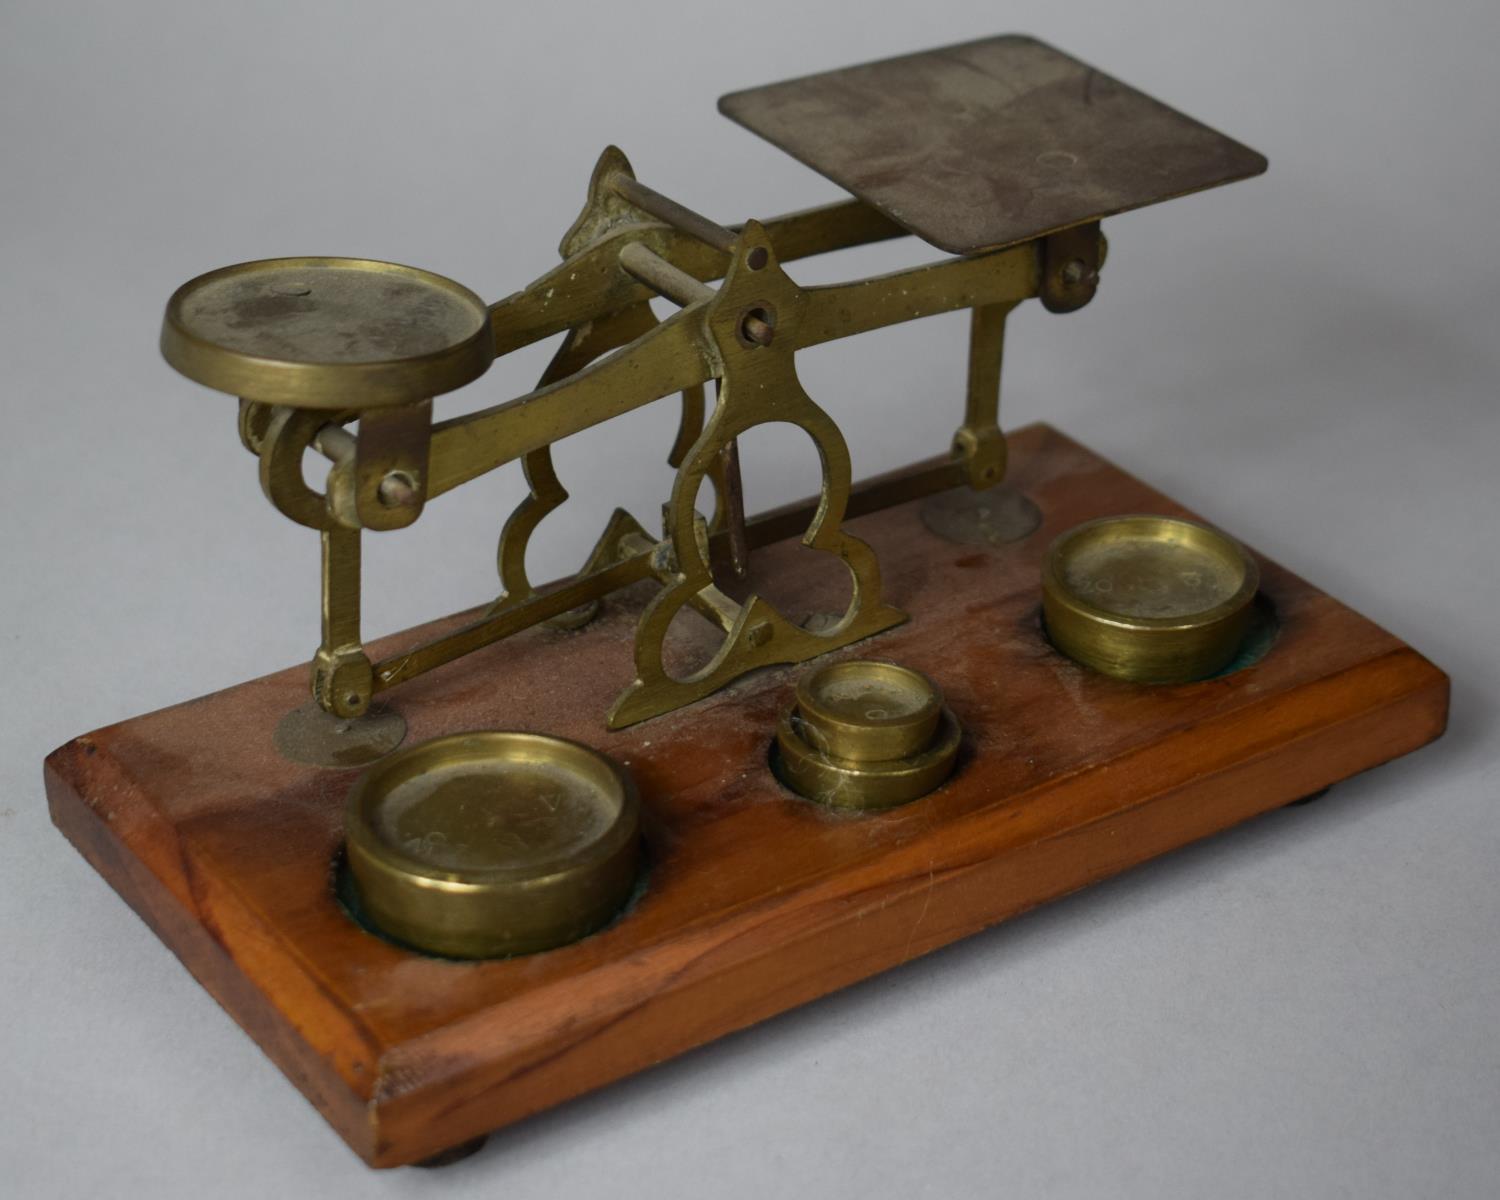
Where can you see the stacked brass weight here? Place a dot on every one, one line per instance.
(1150, 599)
(866, 735)
(483, 845)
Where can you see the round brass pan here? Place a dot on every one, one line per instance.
(482, 845)
(1147, 598)
(327, 333)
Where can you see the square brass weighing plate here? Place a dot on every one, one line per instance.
(990, 143)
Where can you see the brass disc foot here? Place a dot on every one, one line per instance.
(992, 518)
(321, 739)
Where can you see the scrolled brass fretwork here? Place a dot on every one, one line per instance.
(629, 245)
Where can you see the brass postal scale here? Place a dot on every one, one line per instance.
(451, 877)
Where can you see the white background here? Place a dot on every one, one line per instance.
(1306, 1006)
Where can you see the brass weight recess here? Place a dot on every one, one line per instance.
(866, 735)
(484, 845)
(1147, 598)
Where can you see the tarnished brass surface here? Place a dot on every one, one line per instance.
(327, 333)
(990, 143)
(844, 783)
(742, 335)
(310, 734)
(483, 845)
(343, 356)
(1071, 260)
(867, 711)
(676, 354)
(1148, 598)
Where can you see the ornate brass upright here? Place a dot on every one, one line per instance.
(629, 245)
(344, 356)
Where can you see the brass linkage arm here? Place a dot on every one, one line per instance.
(828, 227)
(342, 675)
(615, 262)
(667, 359)
(633, 563)
(979, 444)
(842, 310)
(671, 357)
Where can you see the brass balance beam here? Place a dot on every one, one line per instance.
(1005, 152)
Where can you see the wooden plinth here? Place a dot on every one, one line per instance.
(756, 901)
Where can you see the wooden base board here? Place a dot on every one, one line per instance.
(756, 901)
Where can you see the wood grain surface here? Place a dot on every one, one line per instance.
(756, 901)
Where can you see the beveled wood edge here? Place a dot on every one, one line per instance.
(138, 853)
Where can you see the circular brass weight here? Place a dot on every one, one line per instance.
(1147, 598)
(866, 735)
(327, 333)
(483, 845)
(867, 711)
(844, 783)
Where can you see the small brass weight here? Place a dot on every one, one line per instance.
(1149, 599)
(496, 842)
(866, 735)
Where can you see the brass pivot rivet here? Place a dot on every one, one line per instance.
(397, 490)
(758, 327)
(1074, 271)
